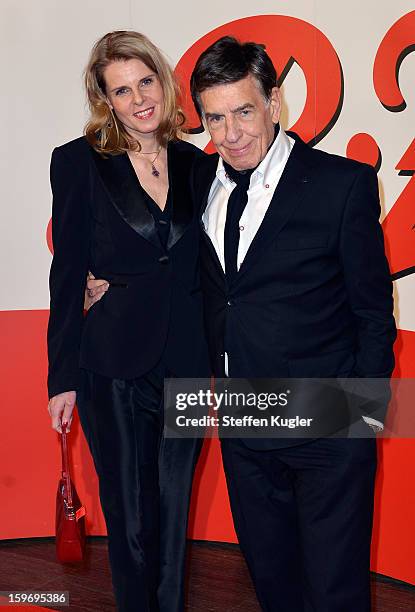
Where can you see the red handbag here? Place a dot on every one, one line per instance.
(70, 514)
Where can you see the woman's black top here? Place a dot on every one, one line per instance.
(162, 218)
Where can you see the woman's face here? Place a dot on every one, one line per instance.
(135, 94)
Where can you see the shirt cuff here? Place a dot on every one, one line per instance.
(377, 425)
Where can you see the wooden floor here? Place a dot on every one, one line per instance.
(218, 578)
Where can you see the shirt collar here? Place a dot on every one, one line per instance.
(270, 166)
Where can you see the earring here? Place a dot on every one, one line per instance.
(113, 122)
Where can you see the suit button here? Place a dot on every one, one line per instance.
(164, 259)
(230, 302)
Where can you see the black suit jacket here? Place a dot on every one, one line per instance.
(313, 296)
(100, 222)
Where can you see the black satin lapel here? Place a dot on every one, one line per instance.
(179, 165)
(121, 183)
(293, 186)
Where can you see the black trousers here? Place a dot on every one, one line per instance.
(303, 516)
(144, 486)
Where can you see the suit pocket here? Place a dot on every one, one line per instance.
(195, 292)
(296, 243)
(338, 363)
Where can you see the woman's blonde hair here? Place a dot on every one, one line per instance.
(104, 131)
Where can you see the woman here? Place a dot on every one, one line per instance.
(122, 209)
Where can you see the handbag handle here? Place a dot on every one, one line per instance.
(65, 465)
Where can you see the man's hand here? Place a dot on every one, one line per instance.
(60, 408)
(94, 291)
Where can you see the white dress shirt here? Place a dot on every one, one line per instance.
(263, 182)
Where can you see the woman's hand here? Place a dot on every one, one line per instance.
(94, 291)
(60, 408)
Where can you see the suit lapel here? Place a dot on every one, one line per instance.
(204, 179)
(293, 186)
(203, 182)
(212, 252)
(121, 183)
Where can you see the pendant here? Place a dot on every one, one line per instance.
(154, 171)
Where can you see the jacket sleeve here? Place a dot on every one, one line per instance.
(70, 264)
(369, 290)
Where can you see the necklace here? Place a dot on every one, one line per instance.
(154, 170)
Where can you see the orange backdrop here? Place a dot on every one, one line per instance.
(30, 460)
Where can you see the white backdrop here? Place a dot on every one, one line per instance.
(44, 48)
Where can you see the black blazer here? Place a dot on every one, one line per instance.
(100, 222)
(313, 296)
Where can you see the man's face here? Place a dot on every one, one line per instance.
(240, 121)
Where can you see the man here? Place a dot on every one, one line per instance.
(296, 283)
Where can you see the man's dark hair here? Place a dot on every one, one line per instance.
(228, 60)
